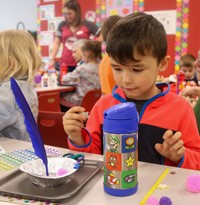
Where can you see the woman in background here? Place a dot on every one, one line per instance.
(19, 58)
(69, 31)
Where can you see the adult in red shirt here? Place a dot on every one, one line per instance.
(69, 30)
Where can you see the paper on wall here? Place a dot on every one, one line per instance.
(167, 18)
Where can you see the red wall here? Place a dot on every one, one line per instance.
(194, 27)
(87, 5)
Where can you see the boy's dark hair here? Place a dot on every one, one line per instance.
(108, 24)
(187, 60)
(75, 6)
(93, 46)
(137, 32)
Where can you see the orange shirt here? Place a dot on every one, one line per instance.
(106, 75)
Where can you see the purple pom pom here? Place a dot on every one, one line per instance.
(152, 201)
(193, 183)
(165, 201)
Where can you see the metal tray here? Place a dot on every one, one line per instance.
(18, 184)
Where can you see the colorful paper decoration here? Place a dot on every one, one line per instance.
(98, 12)
(138, 5)
(181, 36)
(103, 10)
(119, 7)
(63, 2)
(38, 23)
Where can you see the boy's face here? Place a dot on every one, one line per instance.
(137, 79)
(189, 72)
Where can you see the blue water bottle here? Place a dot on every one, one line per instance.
(120, 130)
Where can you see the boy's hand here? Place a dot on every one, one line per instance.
(172, 148)
(191, 92)
(73, 122)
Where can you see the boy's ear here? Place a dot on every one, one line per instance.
(164, 63)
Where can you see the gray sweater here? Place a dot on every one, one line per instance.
(11, 117)
(88, 79)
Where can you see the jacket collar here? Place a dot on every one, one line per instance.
(119, 95)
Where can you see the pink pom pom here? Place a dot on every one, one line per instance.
(152, 200)
(61, 172)
(193, 183)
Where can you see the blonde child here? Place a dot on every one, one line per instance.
(168, 134)
(86, 74)
(19, 58)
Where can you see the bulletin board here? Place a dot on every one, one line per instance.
(173, 14)
(49, 15)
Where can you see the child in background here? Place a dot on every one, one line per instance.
(86, 74)
(168, 133)
(19, 58)
(197, 64)
(105, 70)
(76, 51)
(188, 68)
(192, 94)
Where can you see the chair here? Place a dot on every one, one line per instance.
(49, 102)
(88, 101)
(51, 128)
(90, 98)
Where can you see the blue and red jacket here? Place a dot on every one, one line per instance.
(164, 111)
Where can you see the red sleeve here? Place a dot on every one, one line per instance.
(191, 140)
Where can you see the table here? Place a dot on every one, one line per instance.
(41, 90)
(93, 193)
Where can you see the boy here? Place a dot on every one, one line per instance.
(197, 64)
(105, 70)
(192, 94)
(137, 47)
(187, 66)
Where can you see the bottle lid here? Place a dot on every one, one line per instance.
(122, 111)
(121, 118)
